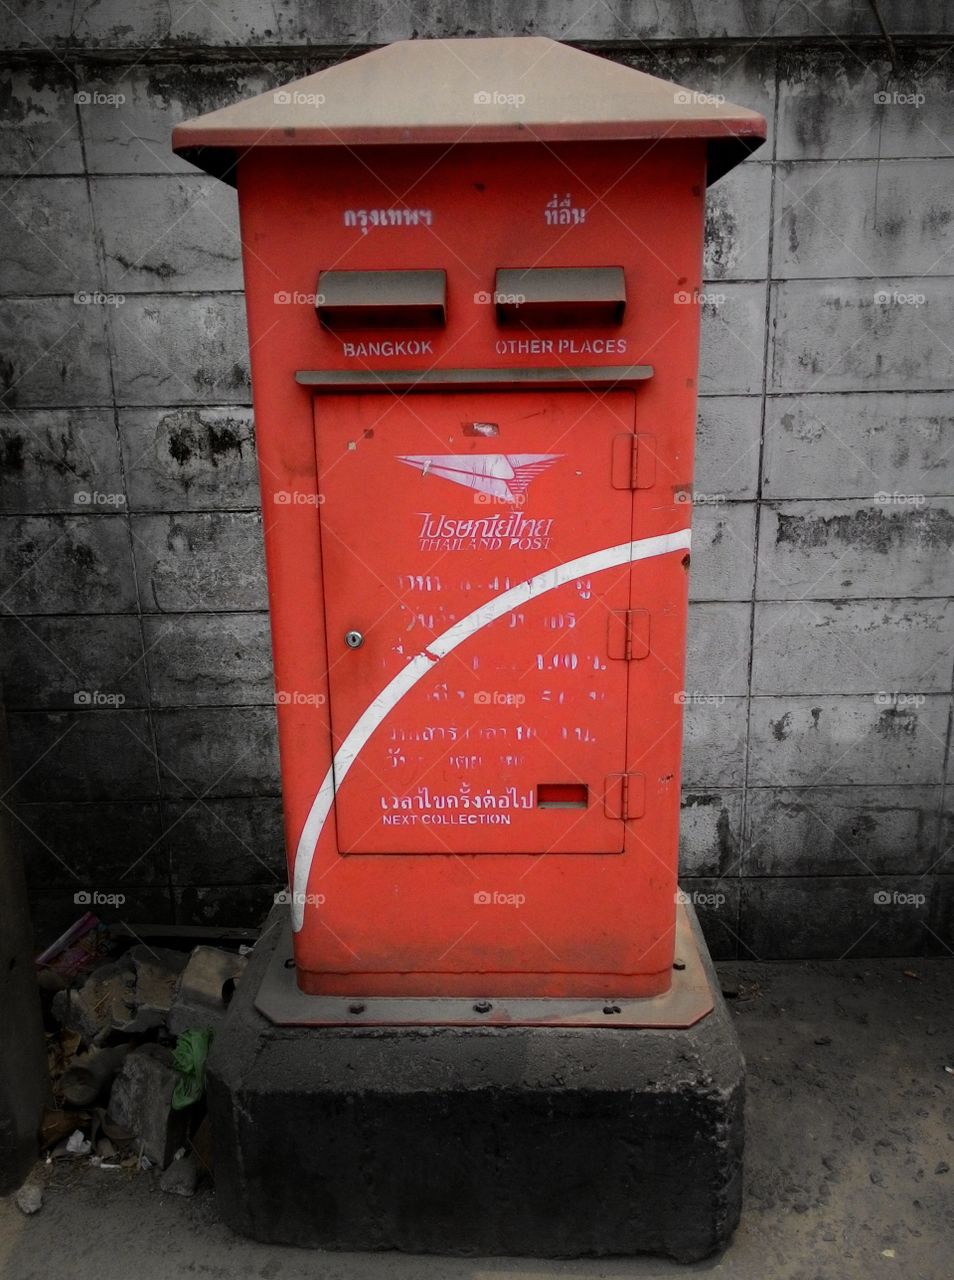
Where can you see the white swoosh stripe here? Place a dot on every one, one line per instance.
(462, 630)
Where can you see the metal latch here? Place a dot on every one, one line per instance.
(628, 634)
(624, 795)
(634, 461)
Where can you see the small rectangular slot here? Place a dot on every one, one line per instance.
(382, 299)
(560, 296)
(561, 795)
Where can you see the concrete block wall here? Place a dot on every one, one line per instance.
(133, 623)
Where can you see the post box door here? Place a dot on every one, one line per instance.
(474, 702)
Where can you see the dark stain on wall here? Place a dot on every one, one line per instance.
(896, 723)
(870, 529)
(162, 270)
(722, 233)
(11, 452)
(782, 727)
(191, 440)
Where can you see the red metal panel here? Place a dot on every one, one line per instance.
(425, 524)
(540, 922)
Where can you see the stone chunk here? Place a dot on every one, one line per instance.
(132, 995)
(141, 1102)
(201, 1000)
(90, 1009)
(181, 1177)
(30, 1198)
(157, 973)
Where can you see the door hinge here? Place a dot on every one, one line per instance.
(624, 795)
(634, 461)
(627, 634)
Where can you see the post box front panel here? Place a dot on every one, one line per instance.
(436, 513)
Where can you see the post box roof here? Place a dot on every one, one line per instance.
(513, 89)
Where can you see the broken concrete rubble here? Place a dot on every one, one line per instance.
(157, 973)
(141, 1102)
(89, 1010)
(30, 1198)
(181, 1177)
(204, 989)
(132, 995)
(124, 1039)
(90, 1075)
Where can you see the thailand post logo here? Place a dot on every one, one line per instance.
(501, 477)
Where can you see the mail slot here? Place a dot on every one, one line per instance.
(375, 299)
(475, 436)
(560, 296)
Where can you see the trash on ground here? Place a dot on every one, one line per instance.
(128, 1036)
(77, 1144)
(84, 945)
(192, 1049)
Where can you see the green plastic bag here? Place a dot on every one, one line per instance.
(192, 1049)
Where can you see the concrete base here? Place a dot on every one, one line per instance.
(534, 1141)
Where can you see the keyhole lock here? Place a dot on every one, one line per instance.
(354, 639)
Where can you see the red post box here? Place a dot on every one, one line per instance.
(467, 269)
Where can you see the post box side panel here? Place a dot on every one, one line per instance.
(665, 431)
(598, 916)
(289, 493)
